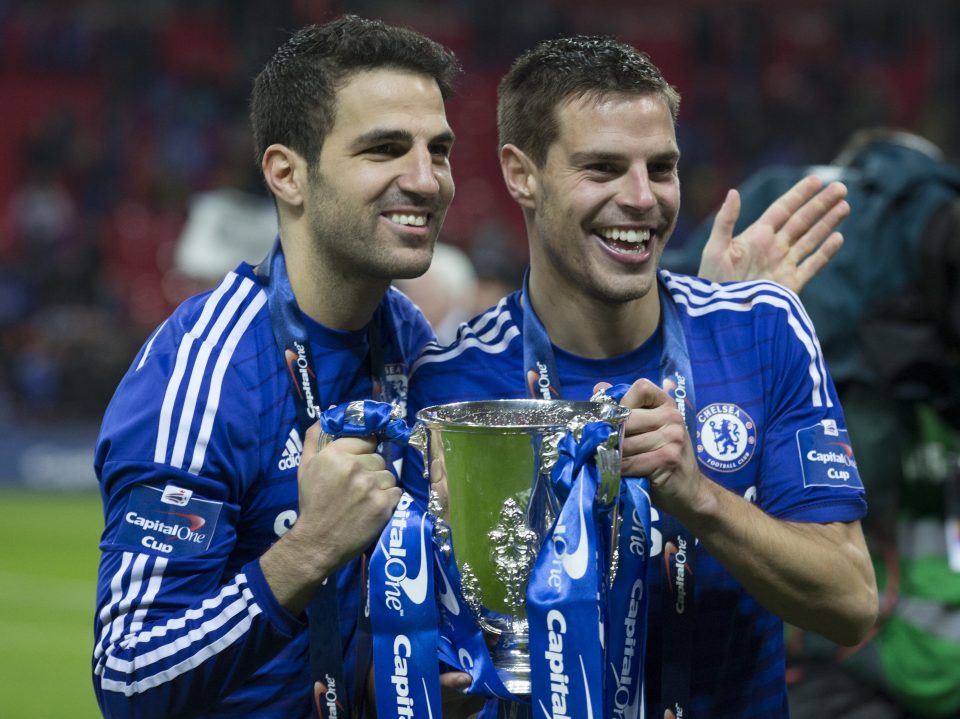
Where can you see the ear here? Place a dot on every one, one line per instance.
(285, 173)
(519, 175)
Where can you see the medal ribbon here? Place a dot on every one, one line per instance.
(677, 595)
(330, 688)
(628, 595)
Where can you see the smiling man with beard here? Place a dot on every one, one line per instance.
(733, 411)
(215, 419)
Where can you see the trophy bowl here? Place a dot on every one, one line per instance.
(489, 467)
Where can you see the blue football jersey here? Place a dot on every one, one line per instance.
(769, 427)
(197, 460)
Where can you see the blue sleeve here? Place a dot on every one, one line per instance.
(809, 471)
(181, 620)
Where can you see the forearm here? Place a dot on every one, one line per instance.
(294, 567)
(815, 576)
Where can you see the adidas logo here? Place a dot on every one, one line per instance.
(290, 459)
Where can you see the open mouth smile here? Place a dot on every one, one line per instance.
(632, 241)
(408, 219)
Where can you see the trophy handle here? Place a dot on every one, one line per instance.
(418, 440)
(436, 492)
(436, 486)
(608, 462)
(608, 497)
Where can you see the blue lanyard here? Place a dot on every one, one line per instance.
(540, 366)
(679, 544)
(330, 689)
(542, 380)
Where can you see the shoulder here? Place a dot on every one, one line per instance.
(764, 301)
(222, 316)
(762, 316)
(201, 368)
(489, 334)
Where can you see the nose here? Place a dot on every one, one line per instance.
(419, 174)
(635, 190)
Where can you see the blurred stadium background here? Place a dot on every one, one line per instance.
(127, 182)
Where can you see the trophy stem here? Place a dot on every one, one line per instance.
(511, 657)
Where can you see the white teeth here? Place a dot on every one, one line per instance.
(412, 220)
(632, 236)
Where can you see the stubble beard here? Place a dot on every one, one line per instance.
(349, 243)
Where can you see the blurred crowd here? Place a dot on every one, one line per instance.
(118, 115)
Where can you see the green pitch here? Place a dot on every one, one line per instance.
(48, 570)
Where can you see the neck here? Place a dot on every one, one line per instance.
(333, 298)
(593, 328)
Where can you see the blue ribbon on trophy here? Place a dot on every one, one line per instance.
(365, 418)
(566, 592)
(401, 598)
(629, 598)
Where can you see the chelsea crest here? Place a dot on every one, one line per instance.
(726, 437)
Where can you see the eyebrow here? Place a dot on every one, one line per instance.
(588, 156)
(379, 135)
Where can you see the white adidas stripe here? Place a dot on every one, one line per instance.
(216, 381)
(243, 604)
(791, 297)
(713, 289)
(146, 350)
(123, 607)
(211, 650)
(209, 605)
(207, 345)
(466, 344)
(180, 367)
(116, 593)
(153, 587)
(197, 369)
(494, 314)
(737, 290)
(478, 326)
(114, 631)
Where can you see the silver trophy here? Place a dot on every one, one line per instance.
(489, 466)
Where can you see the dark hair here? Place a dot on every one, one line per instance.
(294, 96)
(563, 69)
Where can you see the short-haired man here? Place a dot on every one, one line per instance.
(211, 549)
(765, 488)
